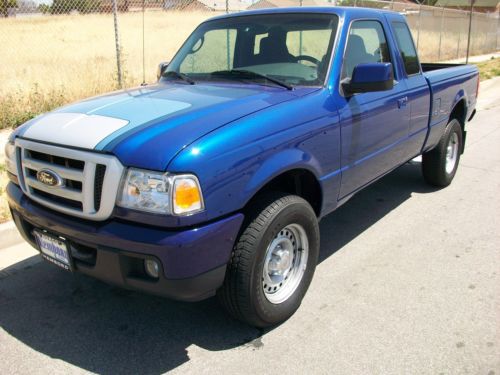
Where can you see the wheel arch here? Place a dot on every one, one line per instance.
(459, 112)
(296, 178)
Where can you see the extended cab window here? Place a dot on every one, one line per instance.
(407, 48)
(366, 43)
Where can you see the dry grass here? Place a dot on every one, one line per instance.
(489, 69)
(49, 61)
(53, 60)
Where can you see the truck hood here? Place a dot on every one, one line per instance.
(147, 126)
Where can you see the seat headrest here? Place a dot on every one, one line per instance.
(275, 41)
(356, 43)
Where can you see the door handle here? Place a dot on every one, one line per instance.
(402, 102)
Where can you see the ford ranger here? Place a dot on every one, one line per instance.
(213, 180)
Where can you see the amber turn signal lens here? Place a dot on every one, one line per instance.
(187, 196)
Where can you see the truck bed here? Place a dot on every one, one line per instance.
(427, 67)
(448, 83)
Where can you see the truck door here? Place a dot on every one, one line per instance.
(374, 125)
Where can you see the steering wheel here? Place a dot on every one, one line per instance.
(311, 59)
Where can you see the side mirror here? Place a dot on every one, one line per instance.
(161, 69)
(368, 78)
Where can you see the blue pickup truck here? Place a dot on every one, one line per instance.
(213, 180)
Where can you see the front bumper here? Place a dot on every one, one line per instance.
(193, 261)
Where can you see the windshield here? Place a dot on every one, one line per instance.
(290, 49)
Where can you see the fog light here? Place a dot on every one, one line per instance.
(152, 268)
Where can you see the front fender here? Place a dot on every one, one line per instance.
(234, 162)
(277, 164)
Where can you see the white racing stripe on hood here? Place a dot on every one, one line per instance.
(73, 129)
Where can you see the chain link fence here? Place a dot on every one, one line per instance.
(56, 51)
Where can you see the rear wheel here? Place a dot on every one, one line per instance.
(273, 261)
(440, 164)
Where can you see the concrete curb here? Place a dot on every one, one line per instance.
(486, 84)
(9, 235)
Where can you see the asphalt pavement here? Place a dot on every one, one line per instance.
(408, 283)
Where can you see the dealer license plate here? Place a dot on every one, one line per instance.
(54, 249)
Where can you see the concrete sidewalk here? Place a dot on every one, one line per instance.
(476, 59)
(9, 235)
(13, 249)
(14, 257)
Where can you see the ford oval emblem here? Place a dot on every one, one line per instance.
(49, 178)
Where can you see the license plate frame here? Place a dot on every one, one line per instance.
(54, 249)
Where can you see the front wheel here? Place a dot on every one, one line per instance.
(440, 164)
(273, 261)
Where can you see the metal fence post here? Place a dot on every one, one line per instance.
(143, 44)
(458, 42)
(227, 6)
(419, 23)
(300, 35)
(441, 33)
(117, 44)
(228, 53)
(470, 29)
(497, 45)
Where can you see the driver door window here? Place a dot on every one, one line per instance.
(215, 51)
(366, 44)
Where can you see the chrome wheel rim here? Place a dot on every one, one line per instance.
(452, 153)
(285, 263)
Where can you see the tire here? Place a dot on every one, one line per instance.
(440, 164)
(276, 226)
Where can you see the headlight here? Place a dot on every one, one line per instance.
(10, 158)
(160, 192)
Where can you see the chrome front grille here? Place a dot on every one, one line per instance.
(70, 170)
(89, 180)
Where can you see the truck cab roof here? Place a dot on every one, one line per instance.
(341, 11)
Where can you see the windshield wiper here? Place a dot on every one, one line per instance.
(179, 75)
(243, 73)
